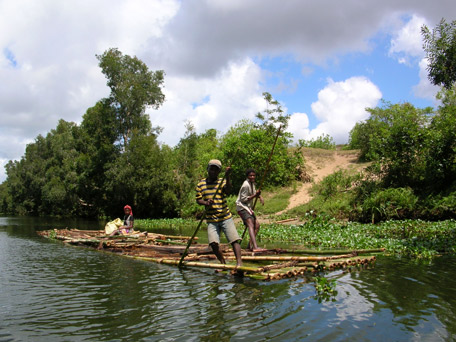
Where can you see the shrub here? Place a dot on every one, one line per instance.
(324, 141)
(392, 203)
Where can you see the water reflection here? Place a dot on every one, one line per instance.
(53, 292)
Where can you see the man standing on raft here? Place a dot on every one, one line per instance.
(211, 192)
(244, 208)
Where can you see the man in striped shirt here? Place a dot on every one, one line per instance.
(211, 193)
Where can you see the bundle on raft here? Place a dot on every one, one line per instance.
(268, 264)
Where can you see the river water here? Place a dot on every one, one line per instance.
(53, 292)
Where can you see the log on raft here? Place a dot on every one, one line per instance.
(269, 264)
(204, 265)
(332, 252)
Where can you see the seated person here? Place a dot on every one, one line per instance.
(127, 227)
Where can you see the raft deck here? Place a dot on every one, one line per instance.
(269, 264)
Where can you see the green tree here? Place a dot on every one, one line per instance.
(26, 178)
(44, 181)
(142, 176)
(255, 140)
(97, 148)
(133, 88)
(92, 170)
(440, 48)
(191, 156)
(272, 117)
(441, 151)
(325, 141)
(392, 132)
(59, 192)
(5, 199)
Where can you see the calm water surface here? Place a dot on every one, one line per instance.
(52, 292)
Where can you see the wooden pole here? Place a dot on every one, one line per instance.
(204, 265)
(191, 239)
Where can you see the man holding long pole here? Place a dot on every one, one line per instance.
(211, 192)
(261, 184)
(244, 207)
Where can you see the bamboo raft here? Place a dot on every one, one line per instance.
(270, 264)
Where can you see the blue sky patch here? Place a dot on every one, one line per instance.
(10, 57)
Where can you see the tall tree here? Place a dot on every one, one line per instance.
(133, 88)
(440, 48)
(98, 148)
(395, 135)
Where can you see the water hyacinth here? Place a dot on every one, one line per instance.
(413, 238)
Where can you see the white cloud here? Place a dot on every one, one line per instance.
(341, 105)
(425, 89)
(298, 125)
(217, 102)
(407, 41)
(407, 47)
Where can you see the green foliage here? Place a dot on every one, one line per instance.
(273, 115)
(5, 199)
(332, 185)
(81, 171)
(440, 155)
(190, 158)
(324, 141)
(440, 48)
(171, 224)
(44, 181)
(393, 133)
(368, 137)
(442, 206)
(252, 147)
(326, 289)
(133, 88)
(97, 149)
(414, 149)
(412, 238)
(142, 176)
(391, 203)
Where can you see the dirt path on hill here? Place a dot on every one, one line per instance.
(318, 166)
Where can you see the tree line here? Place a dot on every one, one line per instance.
(113, 157)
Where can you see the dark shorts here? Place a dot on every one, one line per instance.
(245, 215)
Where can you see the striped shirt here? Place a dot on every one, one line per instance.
(218, 211)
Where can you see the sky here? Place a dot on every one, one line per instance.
(325, 61)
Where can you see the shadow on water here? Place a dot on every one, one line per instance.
(53, 292)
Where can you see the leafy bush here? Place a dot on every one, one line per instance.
(393, 203)
(335, 183)
(324, 141)
(252, 147)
